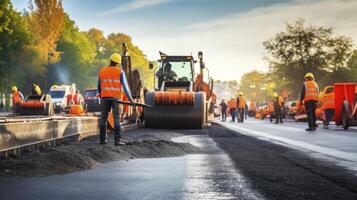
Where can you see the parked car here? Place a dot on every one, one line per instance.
(59, 95)
(92, 100)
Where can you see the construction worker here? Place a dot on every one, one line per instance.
(17, 97)
(310, 96)
(110, 83)
(241, 107)
(270, 110)
(232, 105)
(224, 107)
(36, 90)
(328, 105)
(252, 109)
(278, 107)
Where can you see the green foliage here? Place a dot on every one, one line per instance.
(307, 48)
(27, 39)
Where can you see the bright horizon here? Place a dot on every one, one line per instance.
(230, 34)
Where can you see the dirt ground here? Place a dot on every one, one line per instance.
(87, 154)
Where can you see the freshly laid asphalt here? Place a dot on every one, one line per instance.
(235, 162)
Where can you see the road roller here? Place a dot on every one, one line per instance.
(37, 105)
(179, 100)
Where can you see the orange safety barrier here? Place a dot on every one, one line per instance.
(175, 98)
(76, 110)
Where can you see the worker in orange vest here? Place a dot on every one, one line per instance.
(278, 107)
(328, 105)
(232, 106)
(17, 97)
(270, 110)
(310, 96)
(241, 107)
(252, 109)
(224, 107)
(111, 82)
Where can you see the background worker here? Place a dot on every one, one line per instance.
(110, 83)
(36, 90)
(328, 105)
(241, 107)
(232, 105)
(278, 107)
(224, 107)
(17, 97)
(310, 96)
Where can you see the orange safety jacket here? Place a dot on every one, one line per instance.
(16, 97)
(252, 106)
(270, 107)
(311, 91)
(241, 102)
(110, 84)
(328, 101)
(232, 104)
(281, 101)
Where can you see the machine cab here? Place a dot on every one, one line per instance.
(176, 73)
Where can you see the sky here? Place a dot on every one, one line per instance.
(229, 32)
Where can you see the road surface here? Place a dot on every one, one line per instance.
(254, 160)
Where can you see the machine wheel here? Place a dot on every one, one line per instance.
(345, 115)
(175, 117)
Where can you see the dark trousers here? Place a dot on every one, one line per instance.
(106, 106)
(224, 115)
(329, 113)
(310, 107)
(233, 113)
(278, 114)
(241, 112)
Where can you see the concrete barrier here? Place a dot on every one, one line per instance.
(23, 134)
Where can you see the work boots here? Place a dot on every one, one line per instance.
(118, 141)
(103, 135)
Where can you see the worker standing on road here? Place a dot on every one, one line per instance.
(17, 97)
(36, 90)
(241, 107)
(328, 105)
(310, 96)
(232, 105)
(224, 107)
(110, 83)
(278, 107)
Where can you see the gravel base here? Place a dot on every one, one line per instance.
(88, 153)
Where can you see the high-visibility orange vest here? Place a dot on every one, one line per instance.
(110, 84)
(232, 104)
(241, 102)
(281, 101)
(252, 105)
(270, 107)
(328, 101)
(16, 97)
(311, 91)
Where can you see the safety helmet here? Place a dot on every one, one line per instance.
(14, 88)
(240, 93)
(275, 94)
(115, 57)
(309, 75)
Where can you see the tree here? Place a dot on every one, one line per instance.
(254, 85)
(306, 48)
(46, 20)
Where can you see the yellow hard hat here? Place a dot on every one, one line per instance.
(309, 75)
(275, 94)
(240, 93)
(115, 57)
(14, 88)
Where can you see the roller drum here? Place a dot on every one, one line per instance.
(175, 116)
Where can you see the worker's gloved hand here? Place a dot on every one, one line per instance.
(132, 102)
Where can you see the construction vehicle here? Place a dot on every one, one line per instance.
(180, 100)
(59, 95)
(36, 105)
(345, 105)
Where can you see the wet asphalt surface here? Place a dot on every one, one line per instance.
(231, 166)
